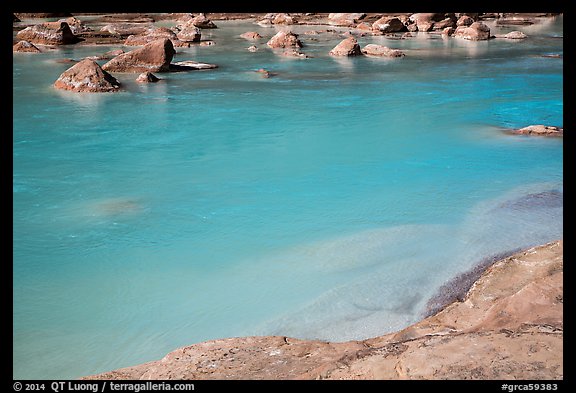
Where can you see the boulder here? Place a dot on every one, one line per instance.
(347, 47)
(189, 32)
(444, 23)
(425, 21)
(515, 35)
(251, 35)
(87, 76)
(76, 25)
(203, 22)
(253, 48)
(475, 32)
(388, 24)
(464, 20)
(364, 27)
(382, 51)
(345, 19)
(448, 32)
(154, 57)
(265, 73)
(127, 28)
(540, 130)
(25, 46)
(283, 19)
(48, 33)
(284, 39)
(147, 77)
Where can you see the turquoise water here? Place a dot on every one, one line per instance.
(329, 201)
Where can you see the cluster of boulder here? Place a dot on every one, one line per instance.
(156, 44)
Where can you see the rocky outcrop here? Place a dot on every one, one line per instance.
(345, 19)
(189, 32)
(382, 51)
(347, 47)
(477, 31)
(147, 77)
(25, 46)
(87, 76)
(284, 39)
(251, 35)
(49, 33)
(388, 25)
(539, 130)
(154, 57)
(509, 325)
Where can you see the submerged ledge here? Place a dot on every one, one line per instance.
(509, 325)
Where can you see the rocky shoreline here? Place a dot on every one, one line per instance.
(509, 325)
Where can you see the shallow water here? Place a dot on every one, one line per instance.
(330, 201)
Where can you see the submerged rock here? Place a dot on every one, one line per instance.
(147, 77)
(189, 65)
(284, 39)
(25, 46)
(251, 35)
(382, 51)
(540, 130)
(515, 35)
(154, 57)
(544, 199)
(87, 76)
(347, 47)
(49, 33)
(477, 31)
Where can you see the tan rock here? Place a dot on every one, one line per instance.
(382, 51)
(284, 39)
(48, 33)
(515, 35)
(388, 25)
(345, 19)
(76, 25)
(127, 28)
(189, 32)
(347, 47)
(87, 76)
(203, 22)
(477, 31)
(154, 57)
(283, 19)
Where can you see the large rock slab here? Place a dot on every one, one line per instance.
(154, 57)
(509, 325)
(347, 47)
(87, 76)
(345, 19)
(48, 33)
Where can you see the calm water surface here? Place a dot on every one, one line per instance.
(328, 202)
